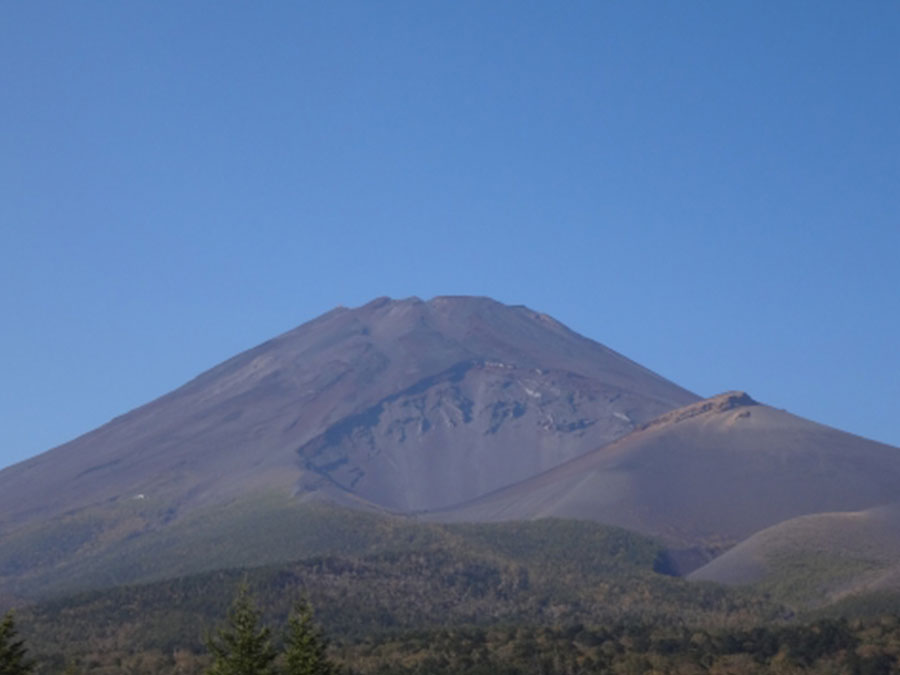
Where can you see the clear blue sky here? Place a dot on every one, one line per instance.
(711, 188)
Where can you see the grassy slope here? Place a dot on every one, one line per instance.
(138, 541)
(134, 543)
(815, 560)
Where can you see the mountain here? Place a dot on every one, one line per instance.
(706, 476)
(398, 405)
(405, 404)
(459, 409)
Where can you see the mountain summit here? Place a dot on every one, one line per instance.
(400, 404)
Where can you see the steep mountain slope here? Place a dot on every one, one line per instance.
(375, 401)
(707, 475)
(396, 405)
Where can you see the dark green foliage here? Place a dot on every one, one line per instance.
(304, 645)
(12, 650)
(243, 646)
(826, 647)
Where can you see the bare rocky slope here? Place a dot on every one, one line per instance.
(406, 404)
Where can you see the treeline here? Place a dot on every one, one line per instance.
(242, 646)
(827, 646)
(245, 646)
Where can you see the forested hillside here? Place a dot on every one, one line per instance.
(545, 573)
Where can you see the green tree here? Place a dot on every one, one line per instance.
(12, 651)
(243, 646)
(304, 645)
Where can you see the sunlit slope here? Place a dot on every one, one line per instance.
(710, 474)
(818, 558)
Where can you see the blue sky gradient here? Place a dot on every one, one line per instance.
(709, 188)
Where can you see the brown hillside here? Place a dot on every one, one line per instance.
(709, 474)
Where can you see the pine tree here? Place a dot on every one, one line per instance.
(243, 646)
(12, 651)
(304, 645)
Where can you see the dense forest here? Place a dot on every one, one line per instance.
(525, 598)
(857, 647)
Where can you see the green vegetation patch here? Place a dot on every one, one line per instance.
(807, 579)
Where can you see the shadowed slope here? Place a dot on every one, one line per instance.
(709, 474)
